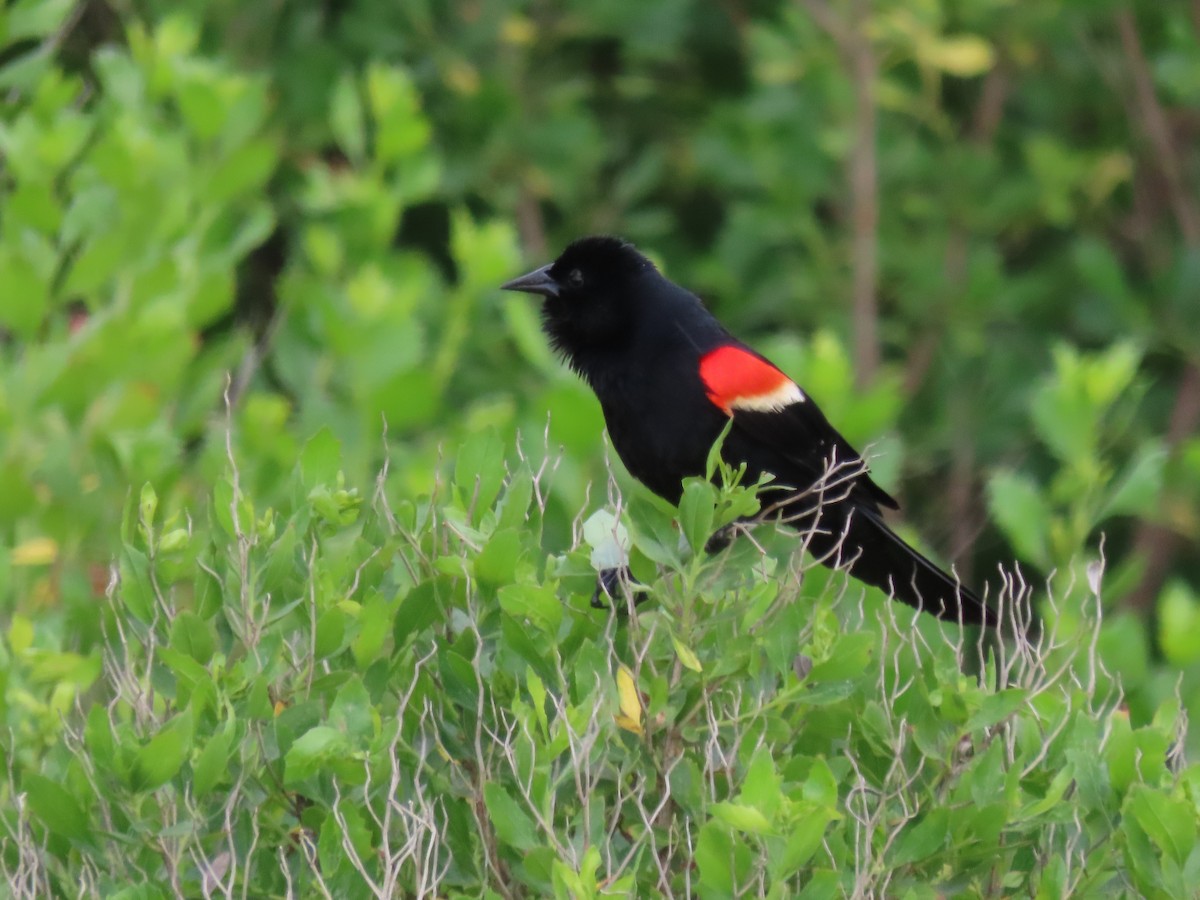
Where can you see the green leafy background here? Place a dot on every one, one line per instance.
(301, 515)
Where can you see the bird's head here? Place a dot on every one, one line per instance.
(589, 296)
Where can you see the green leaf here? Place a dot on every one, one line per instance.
(1023, 515)
(35, 20)
(56, 807)
(1065, 420)
(996, 708)
(163, 756)
(184, 667)
(496, 564)
(527, 645)
(420, 609)
(26, 296)
(331, 632)
(136, 591)
(653, 532)
(513, 825)
(686, 655)
(401, 131)
(98, 737)
(517, 495)
(459, 678)
(821, 787)
(352, 712)
(1169, 822)
(800, 841)
(1136, 489)
(1110, 373)
(346, 118)
(847, 659)
(1120, 752)
(320, 460)
(741, 817)
(923, 839)
(330, 847)
(147, 505)
(194, 636)
(201, 102)
(311, 752)
(537, 697)
(723, 860)
(538, 604)
(373, 621)
(479, 472)
(696, 513)
(1179, 624)
(213, 763)
(762, 786)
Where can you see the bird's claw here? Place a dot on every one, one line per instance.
(609, 588)
(721, 538)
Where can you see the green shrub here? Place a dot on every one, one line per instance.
(357, 692)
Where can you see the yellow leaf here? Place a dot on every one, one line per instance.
(35, 552)
(518, 30)
(965, 55)
(628, 724)
(631, 704)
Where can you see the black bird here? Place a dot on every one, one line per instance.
(669, 378)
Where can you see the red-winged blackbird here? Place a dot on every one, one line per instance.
(669, 378)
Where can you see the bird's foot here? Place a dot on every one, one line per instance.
(722, 538)
(611, 585)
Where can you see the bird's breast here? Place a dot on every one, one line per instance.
(661, 424)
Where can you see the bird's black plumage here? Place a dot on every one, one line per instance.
(669, 377)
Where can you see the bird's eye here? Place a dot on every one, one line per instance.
(575, 278)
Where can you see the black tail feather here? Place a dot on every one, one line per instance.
(873, 553)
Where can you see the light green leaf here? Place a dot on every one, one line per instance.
(743, 818)
(1169, 822)
(1022, 513)
(685, 654)
(321, 459)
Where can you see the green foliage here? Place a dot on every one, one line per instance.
(300, 517)
(412, 695)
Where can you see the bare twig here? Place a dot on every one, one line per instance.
(1154, 543)
(858, 54)
(1157, 130)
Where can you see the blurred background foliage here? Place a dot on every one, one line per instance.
(970, 229)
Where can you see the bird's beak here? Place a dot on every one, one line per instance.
(539, 281)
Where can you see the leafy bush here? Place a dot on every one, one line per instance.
(357, 692)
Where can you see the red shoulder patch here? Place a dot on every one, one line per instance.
(737, 379)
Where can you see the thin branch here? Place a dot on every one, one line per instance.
(1154, 543)
(864, 200)
(858, 54)
(531, 225)
(1157, 130)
